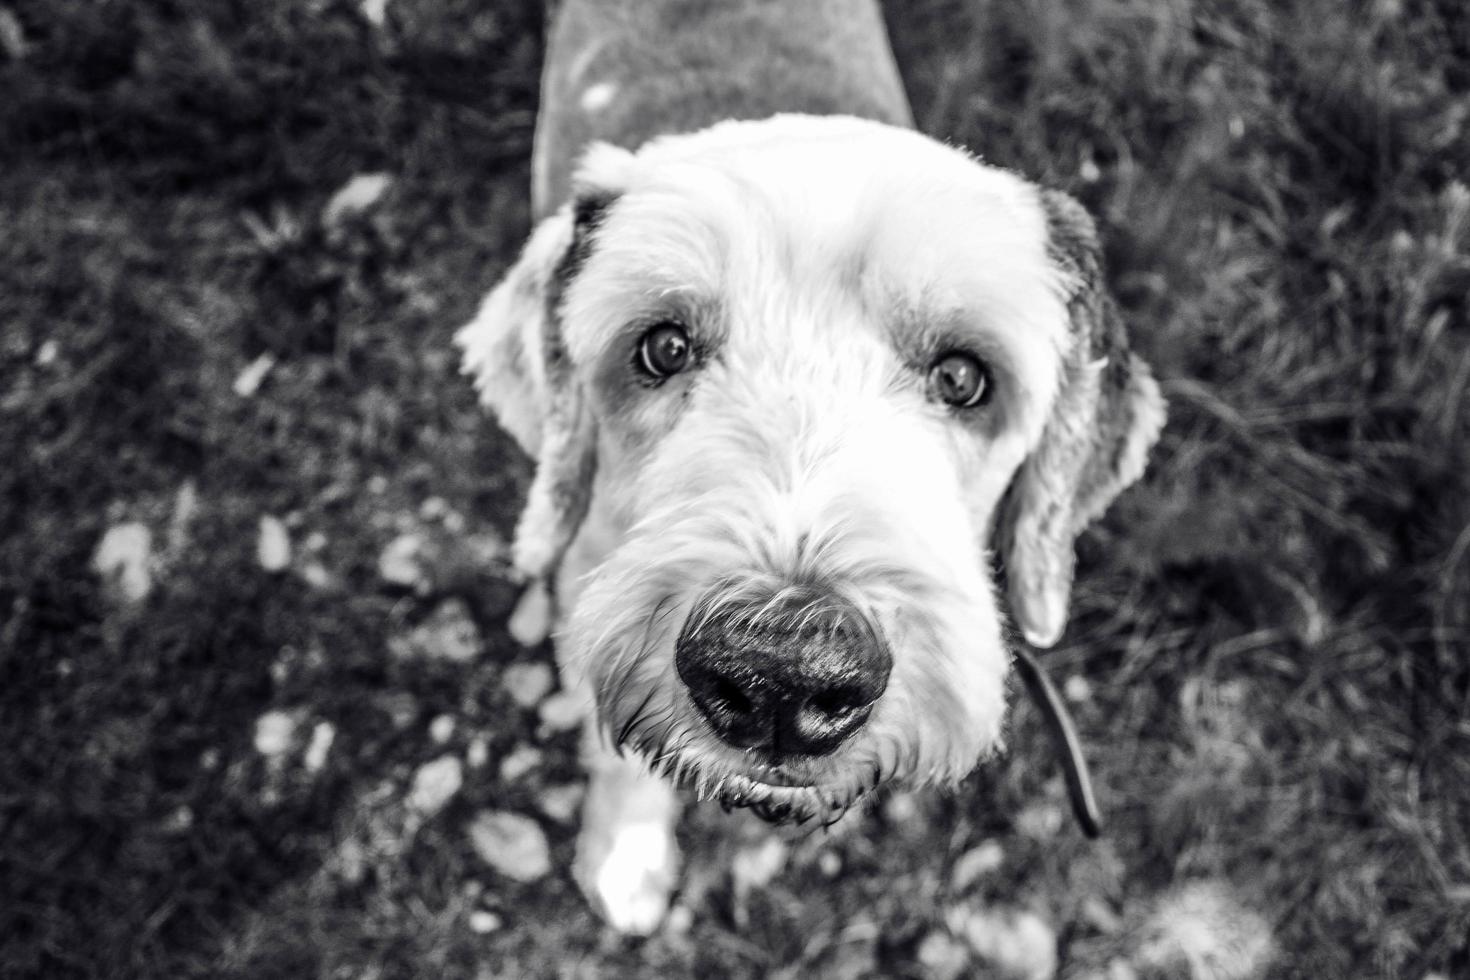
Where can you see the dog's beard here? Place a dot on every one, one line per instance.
(940, 715)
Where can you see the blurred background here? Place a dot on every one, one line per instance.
(262, 707)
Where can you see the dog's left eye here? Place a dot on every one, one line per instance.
(664, 350)
(960, 380)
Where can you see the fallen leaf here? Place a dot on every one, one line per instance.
(513, 845)
(527, 683)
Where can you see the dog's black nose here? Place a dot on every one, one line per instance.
(794, 674)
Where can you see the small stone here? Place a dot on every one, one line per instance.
(377, 484)
(527, 683)
(323, 734)
(1077, 689)
(511, 844)
(483, 922)
(433, 509)
(976, 863)
(561, 712)
(477, 753)
(122, 559)
(560, 803)
(274, 733)
(1120, 969)
(315, 574)
(249, 380)
(435, 784)
(401, 562)
(441, 729)
(830, 864)
(356, 196)
(530, 623)
(272, 545)
(520, 761)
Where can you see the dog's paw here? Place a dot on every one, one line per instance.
(627, 859)
(629, 874)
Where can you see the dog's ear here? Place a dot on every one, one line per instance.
(516, 350)
(1107, 415)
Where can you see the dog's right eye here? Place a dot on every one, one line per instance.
(664, 350)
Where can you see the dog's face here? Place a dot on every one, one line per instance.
(797, 368)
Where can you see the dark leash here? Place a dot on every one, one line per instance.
(1064, 738)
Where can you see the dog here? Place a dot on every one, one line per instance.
(794, 377)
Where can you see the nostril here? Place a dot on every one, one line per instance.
(837, 702)
(731, 697)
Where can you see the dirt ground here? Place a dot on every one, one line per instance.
(261, 711)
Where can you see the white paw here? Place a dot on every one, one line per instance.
(628, 872)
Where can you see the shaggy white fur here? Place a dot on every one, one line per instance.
(820, 266)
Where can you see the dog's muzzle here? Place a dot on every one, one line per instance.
(794, 674)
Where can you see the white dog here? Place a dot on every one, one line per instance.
(794, 377)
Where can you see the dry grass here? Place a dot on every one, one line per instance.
(1275, 628)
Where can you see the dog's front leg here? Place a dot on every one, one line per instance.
(627, 859)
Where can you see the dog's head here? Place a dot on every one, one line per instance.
(811, 371)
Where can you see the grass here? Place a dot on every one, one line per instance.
(1272, 630)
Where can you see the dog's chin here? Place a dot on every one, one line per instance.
(796, 791)
(779, 803)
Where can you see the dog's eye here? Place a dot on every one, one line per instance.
(960, 380)
(664, 350)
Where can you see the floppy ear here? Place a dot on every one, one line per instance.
(1107, 415)
(515, 349)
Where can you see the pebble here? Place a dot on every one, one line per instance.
(274, 733)
(441, 729)
(511, 844)
(272, 545)
(401, 562)
(561, 712)
(434, 785)
(561, 803)
(527, 683)
(477, 753)
(323, 734)
(122, 560)
(483, 922)
(521, 760)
